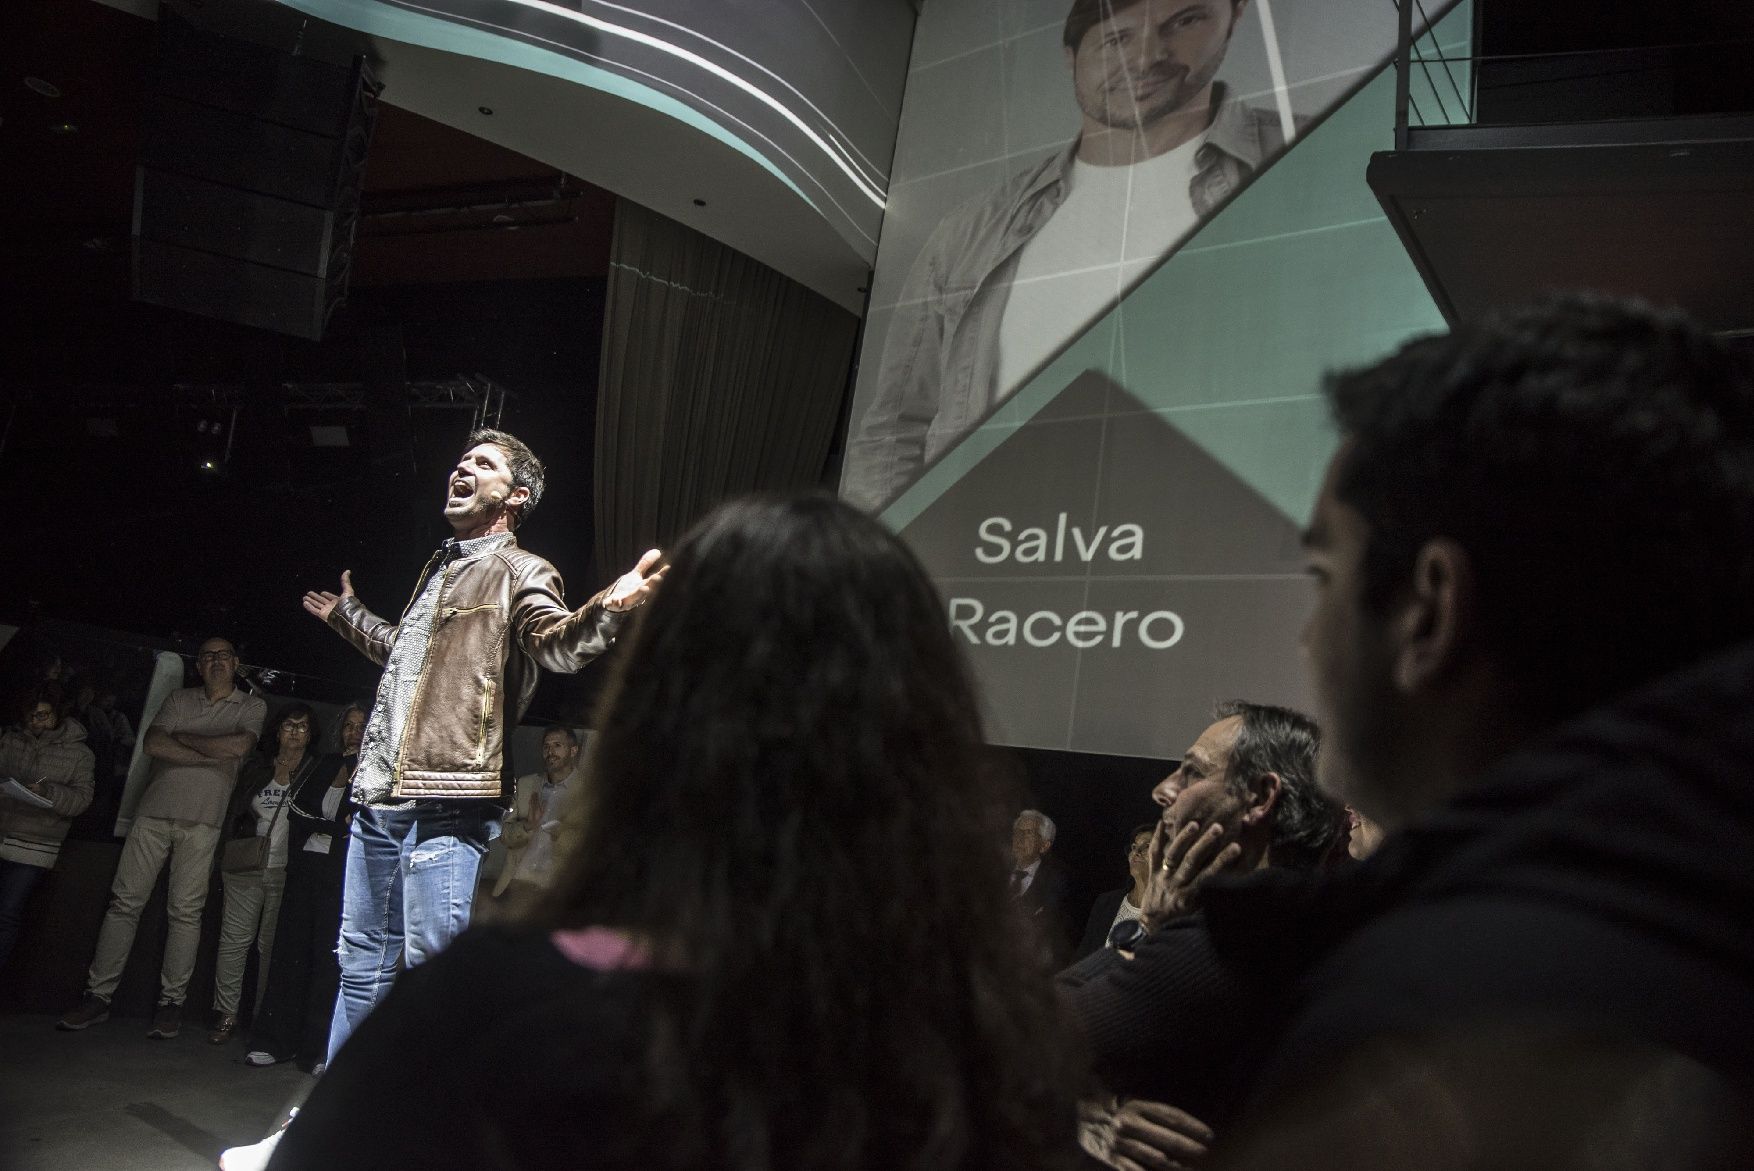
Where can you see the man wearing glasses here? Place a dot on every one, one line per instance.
(196, 742)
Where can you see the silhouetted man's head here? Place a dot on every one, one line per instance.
(1526, 517)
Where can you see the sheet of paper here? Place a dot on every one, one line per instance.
(18, 792)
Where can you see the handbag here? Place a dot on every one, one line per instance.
(243, 855)
(248, 855)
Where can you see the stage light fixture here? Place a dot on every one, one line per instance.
(213, 460)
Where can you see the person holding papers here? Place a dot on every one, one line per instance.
(45, 782)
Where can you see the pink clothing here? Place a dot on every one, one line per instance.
(599, 949)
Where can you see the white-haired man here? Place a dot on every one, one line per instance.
(1039, 885)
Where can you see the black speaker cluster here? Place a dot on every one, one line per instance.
(247, 193)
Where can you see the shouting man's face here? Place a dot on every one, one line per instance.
(480, 487)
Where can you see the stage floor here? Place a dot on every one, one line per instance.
(109, 1097)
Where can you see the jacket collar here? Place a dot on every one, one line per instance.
(1235, 130)
(454, 550)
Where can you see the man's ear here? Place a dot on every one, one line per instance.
(1431, 621)
(1263, 796)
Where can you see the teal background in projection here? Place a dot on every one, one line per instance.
(416, 28)
(1194, 409)
(1229, 338)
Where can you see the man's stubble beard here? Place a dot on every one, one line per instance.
(1125, 114)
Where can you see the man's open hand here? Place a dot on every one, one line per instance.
(322, 602)
(633, 588)
(1178, 867)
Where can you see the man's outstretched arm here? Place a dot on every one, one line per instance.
(348, 617)
(565, 640)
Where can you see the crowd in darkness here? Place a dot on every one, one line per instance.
(1483, 908)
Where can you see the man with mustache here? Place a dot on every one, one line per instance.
(1010, 278)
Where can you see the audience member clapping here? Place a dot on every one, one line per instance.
(530, 826)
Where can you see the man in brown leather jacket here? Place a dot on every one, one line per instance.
(459, 669)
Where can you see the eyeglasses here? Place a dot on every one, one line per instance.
(214, 656)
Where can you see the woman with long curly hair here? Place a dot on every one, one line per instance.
(779, 937)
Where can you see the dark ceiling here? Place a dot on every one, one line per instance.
(68, 155)
(471, 259)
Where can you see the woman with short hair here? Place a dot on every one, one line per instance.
(1123, 904)
(292, 1020)
(253, 855)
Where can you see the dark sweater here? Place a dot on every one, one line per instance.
(1598, 882)
(1174, 1023)
(461, 1067)
(1102, 918)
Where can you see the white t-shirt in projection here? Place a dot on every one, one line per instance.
(1115, 223)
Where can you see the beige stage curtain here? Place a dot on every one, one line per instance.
(720, 377)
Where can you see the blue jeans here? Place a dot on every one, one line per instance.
(409, 888)
(17, 880)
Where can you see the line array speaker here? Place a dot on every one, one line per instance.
(247, 191)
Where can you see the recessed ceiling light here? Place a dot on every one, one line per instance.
(63, 128)
(47, 88)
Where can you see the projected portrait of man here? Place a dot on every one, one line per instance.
(1008, 279)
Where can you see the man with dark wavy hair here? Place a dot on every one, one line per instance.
(1533, 651)
(435, 772)
(459, 669)
(1164, 1020)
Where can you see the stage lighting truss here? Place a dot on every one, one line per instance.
(476, 393)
